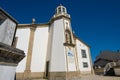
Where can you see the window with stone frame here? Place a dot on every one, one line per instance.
(85, 64)
(83, 52)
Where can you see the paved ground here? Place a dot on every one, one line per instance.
(92, 77)
(96, 77)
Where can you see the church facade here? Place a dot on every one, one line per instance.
(52, 50)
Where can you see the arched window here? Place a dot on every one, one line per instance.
(59, 10)
(64, 10)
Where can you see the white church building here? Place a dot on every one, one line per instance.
(52, 50)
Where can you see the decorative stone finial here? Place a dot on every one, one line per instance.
(60, 4)
(33, 21)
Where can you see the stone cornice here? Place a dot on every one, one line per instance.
(32, 25)
(9, 54)
(69, 44)
(8, 64)
(55, 17)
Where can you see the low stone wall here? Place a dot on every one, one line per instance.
(99, 71)
(85, 73)
(73, 75)
(57, 76)
(117, 71)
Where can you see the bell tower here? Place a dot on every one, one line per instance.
(61, 47)
(61, 9)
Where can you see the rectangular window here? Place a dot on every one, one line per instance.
(83, 52)
(85, 64)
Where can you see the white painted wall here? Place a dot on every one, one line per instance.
(39, 49)
(79, 46)
(58, 57)
(23, 41)
(7, 72)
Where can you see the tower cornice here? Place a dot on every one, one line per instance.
(61, 12)
(60, 16)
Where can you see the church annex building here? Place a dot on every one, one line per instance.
(52, 50)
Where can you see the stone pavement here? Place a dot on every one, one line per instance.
(96, 77)
(92, 77)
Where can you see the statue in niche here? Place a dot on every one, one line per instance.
(68, 36)
(67, 25)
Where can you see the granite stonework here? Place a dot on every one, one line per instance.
(34, 75)
(9, 55)
(67, 75)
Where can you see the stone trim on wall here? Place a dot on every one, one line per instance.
(7, 64)
(91, 65)
(24, 26)
(34, 75)
(85, 73)
(62, 75)
(27, 72)
(57, 76)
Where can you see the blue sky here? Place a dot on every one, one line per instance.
(96, 22)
